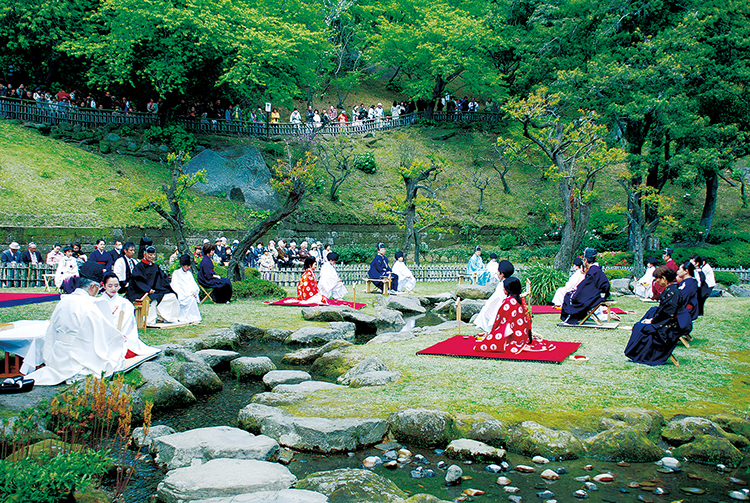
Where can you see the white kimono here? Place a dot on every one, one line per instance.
(571, 285)
(643, 285)
(492, 267)
(111, 307)
(184, 285)
(486, 317)
(406, 280)
(330, 284)
(80, 341)
(67, 267)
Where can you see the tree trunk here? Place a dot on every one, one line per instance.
(481, 200)
(235, 269)
(709, 206)
(417, 247)
(410, 214)
(506, 188)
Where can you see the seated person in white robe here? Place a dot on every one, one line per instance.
(67, 268)
(643, 285)
(406, 280)
(486, 317)
(572, 283)
(184, 285)
(121, 314)
(492, 268)
(330, 284)
(80, 340)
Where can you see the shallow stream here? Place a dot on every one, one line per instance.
(222, 409)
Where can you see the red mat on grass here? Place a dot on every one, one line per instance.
(292, 301)
(19, 299)
(555, 310)
(459, 347)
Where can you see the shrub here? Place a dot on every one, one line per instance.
(613, 258)
(726, 278)
(366, 163)
(175, 137)
(734, 253)
(253, 286)
(507, 241)
(355, 254)
(544, 281)
(616, 274)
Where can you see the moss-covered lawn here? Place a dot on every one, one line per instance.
(714, 374)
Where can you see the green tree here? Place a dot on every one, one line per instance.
(576, 147)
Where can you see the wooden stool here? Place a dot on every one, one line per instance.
(592, 313)
(206, 293)
(11, 366)
(472, 277)
(141, 311)
(48, 278)
(370, 287)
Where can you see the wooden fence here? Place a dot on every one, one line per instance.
(55, 113)
(25, 275)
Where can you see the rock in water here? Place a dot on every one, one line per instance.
(669, 462)
(503, 481)
(604, 477)
(362, 486)
(525, 469)
(453, 475)
(739, 496)
(549, 475)
(540, 460)
(372, 462)
(581, 494)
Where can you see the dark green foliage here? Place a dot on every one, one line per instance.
(355, 254)
(544, 281)
(726, 278)
(728, 254)
(174, 137)
(506, 241)
(616, 274)
(540, 252)
(615, 258)
(51, 478)
(366, 163)
(253, 286)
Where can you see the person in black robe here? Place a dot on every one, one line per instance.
(99, 256)
(588, 294)
(148, 278)
(654, 337)
(380, 269)
(222, 287)
(688, 288)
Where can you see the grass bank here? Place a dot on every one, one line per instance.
(712, 377)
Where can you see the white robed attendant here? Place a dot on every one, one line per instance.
(572, 283)
(486, 317)
(492, 268)
(330, 285)
(67, 267)
(184, 285)
(406, 280)
(80, 340)
(643, 285)
(121, 314)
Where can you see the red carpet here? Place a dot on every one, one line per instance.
(554, 310)
(292, 301)
(18, 299)
(459, 347)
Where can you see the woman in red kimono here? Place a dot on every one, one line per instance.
(307, 288)
(511, 331)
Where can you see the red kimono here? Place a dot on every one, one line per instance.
(511, 331)
(307, 288)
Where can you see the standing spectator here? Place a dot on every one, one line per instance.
(332, 115)
(12, 255)
(55, 255)
(31, 256)
(282, 258)
(395, 111)
(124, 266)
(152, 107)
(309, 114)
(275, 116)
(116, 251)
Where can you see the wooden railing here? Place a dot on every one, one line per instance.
(55, 113)
(15, 275)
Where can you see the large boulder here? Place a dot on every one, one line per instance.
(422, 427)
(624, 443)
(345, 330)
(140, 439)
(251, 417)
(250, 368)
(648, 421)
(316, 335)
(324, 313)
(319, 434)
(283, 496)
(431, 300)
(739, 291)
(683, 430)
(277, 399)
(375, 378)
(709, 449)
(473, 450)
(482, 427)
(162, 389)
(370, 364)
(226, 339)
(238, 173)
(223, 477)
(248, 332)
(389, 319)
(388, 337)
(195, 376)
(347, 485)
(303, 356)
(736, 425)
(469, 308)
(532, 439)
(217, 359)
(277, 335)
(404, 304)
(475, 291)
(276, 377)
(305, 387)
(620, 286)
(204, 444)
(335, 363)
